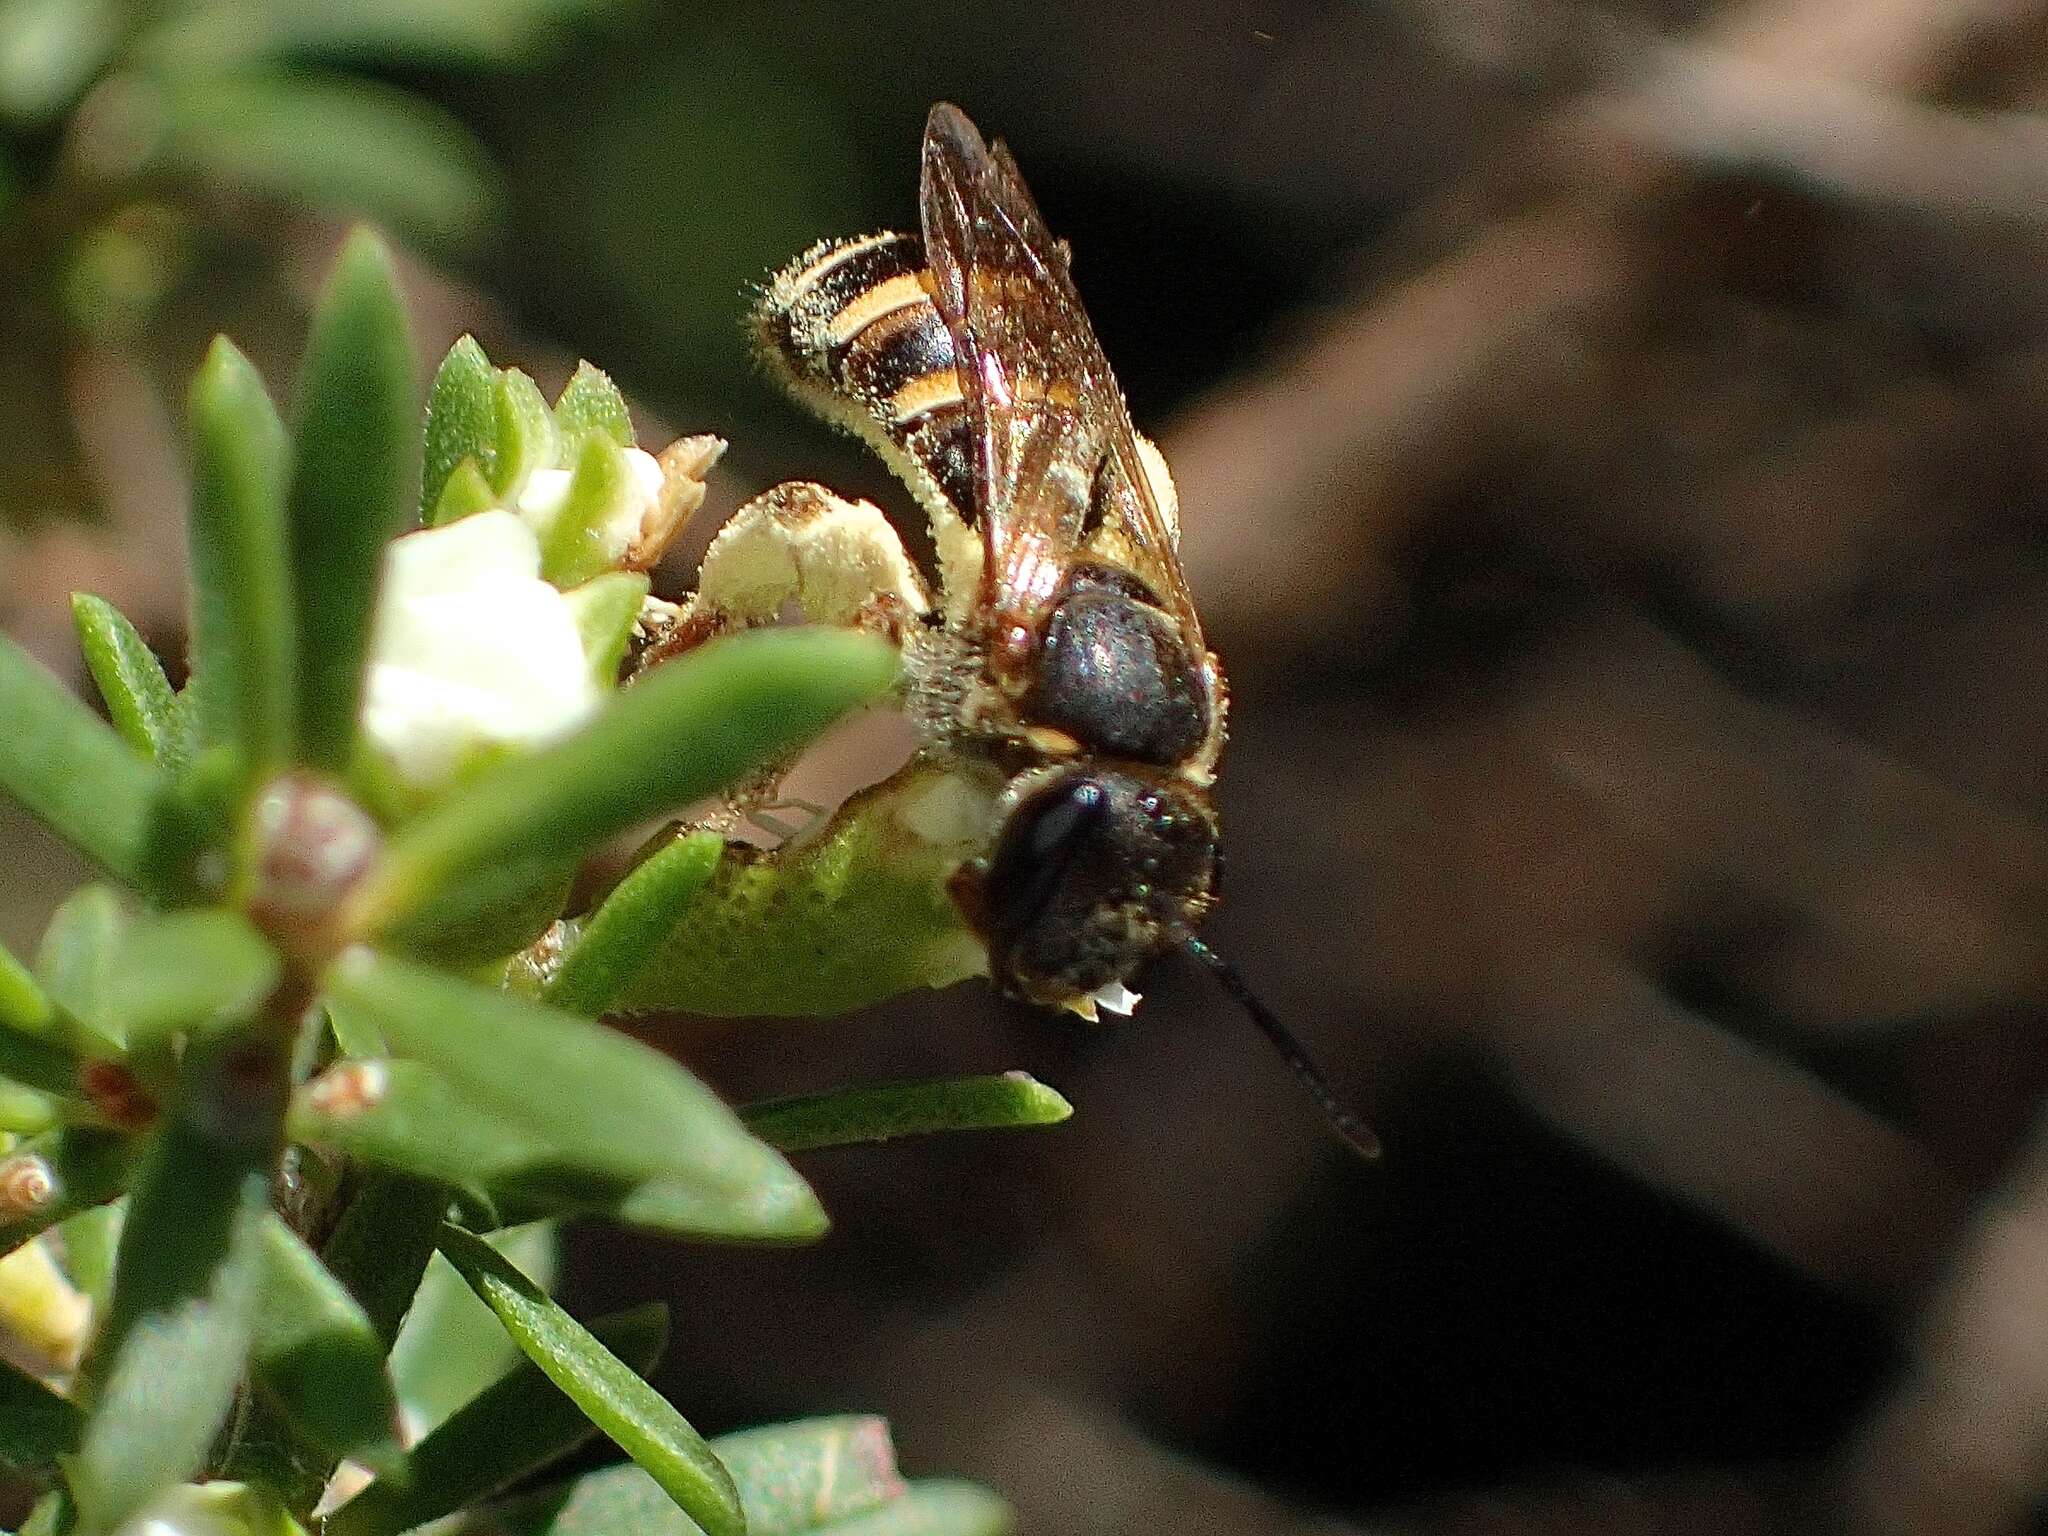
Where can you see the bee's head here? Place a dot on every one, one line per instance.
(1095, 870)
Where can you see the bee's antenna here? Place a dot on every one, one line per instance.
(1343, 1120)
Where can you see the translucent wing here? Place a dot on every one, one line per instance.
(1050, 430)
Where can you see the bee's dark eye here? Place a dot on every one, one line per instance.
(1045, 838)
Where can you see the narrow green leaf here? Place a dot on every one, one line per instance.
(27, 1111)
(678, 734)
(243, 642)
(904, 1109)
(356, 1035)
(461, 423)
(451, 1346)
(523, 430)
(609, 1106)
(513, 1427)
(80, 1167)
(498, 912)
(35, 1054)
(630, 925)
(605, 609)
(573, 549)
(32, 1064)
(380, 1247)
(90, 1239)
(465, 492)
(638, 1419)
(591, 402)
(187, 970)
(77, 952)
(24, 1006)
(407, 1116)
(349, 490)
(170, 1353)
(319, 1358)
(130, 679)
(67, 766)
(36, 1425)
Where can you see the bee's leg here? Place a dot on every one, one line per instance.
(839, 562)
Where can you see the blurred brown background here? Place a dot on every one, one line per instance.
(1613, 444)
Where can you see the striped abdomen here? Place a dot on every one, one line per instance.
(852, 324)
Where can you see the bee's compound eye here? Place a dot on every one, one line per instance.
(1075, 812)
(1047, 835)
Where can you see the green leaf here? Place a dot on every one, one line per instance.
(513, 1427)
(89, 1240)
(67, 766)
(679, 733)
(408, 1116)
(499, 912)
(36, 1425)
(380, 1247)
(605, 609)
(34, 1063)
(77, 953)
(24, 1006)
(356, 1035)
(796, 1477)
(170, 1353)
(620, 1499)
(610, 1107)
(618, 939)
(350, 491)
(461, 423)
(84, 1167)
(27, 1111)
(573, 548)
(591, 402)
(319, 1358)
(187, 970)
(451, 1347)
(859, 911)
(465, 493)
(34, 1046)
(130, 679)
(638, 1419)
(523, 429)
(934, 1507)
(243, 640)
(347, 147)
(905, 1109)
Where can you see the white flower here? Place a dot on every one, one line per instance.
(471, 649)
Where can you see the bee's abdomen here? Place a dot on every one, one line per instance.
(852, 324)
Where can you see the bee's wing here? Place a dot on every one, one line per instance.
(1045, 414)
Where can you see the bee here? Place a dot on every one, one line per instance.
(1063, 661)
